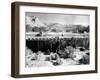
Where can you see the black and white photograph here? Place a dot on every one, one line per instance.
(54, 39)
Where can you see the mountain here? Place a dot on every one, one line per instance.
(57, 27)
(34, 22)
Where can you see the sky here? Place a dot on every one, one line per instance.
(68, 19)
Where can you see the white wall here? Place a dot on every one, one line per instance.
(5, 41)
